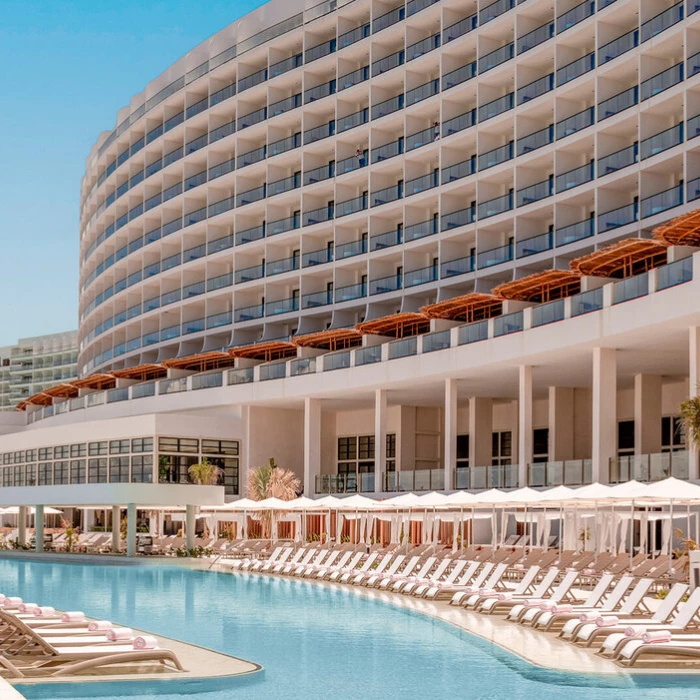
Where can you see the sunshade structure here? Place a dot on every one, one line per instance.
(97, 382)
(541, 287)
(332, 339)
(63, 391)
(466, 308)
(201, 362)
(683, 230)
(270, 350)
(401, 325)
(141, 373)
(624, 259)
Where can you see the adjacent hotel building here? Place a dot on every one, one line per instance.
(395, 246)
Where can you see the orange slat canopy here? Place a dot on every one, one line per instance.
(467, 308)
(270, 350)
(624, 259)
(548, 285)
(396, 325)
(683, 230)
(336, 339)
(201, 362)
(96, 381)
(141, 372)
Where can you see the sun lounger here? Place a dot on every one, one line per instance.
(467, 590)
(344, 576)
(372, 579)
(424, 578)
(489, 588)
(491, 604)
(531, 606)
(300, 571)
(452, 584)
(348, 561)
(326, 568)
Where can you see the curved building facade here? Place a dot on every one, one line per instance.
(397, 246)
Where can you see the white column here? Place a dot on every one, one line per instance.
(245, 455)
(647, 414)
(694, 388)
(561, 423)
(116, 528)
(312, 444)
(604, 399)
(131, 530)
(190, 526)
(450, 432)
(39, 528)
(22, 525)
(380, 412)
(525, 439)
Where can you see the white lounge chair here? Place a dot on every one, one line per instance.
(466, 591)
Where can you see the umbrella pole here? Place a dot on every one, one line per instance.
(670, 540)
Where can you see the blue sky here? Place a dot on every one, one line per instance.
(68, 66)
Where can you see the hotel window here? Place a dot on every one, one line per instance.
(6, 457)
(60, 452)
(142, 469)
(119, 447)
(45, 473)
(356, 454)
(174, 469)
(119, 469)
(30, 475)
(7, 476)
(30, 455)
(391, 452)
(19, 457)
(45, 453)
(540, 445)
(220, 447)
(625, 438)
(186, 445)
(142, 445)
(229, 478)
(462, 451)
(672, 434)
(96, 449)
(78, 450)
(19, 476)
(97, 471)
(60, 473)
(77, 471)
(501, 448)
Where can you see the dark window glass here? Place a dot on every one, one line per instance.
(61, 452)
(77, 471)
(118, 447)
(142, 445)
(30, 475)
(45, 473)
(462, 449)
(540, 442)
(78, 450)
(97, 470)
(97, 448)
(60, 473)
(119, 468)
(142, 469)
(625, 437)
(19, 476)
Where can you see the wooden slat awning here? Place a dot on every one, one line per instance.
(271, 350)
(141, 372)
(541, 287)
(336, 339)
(65, 391)
(96, 381)
(21, 406)
(201, 362)
(624, 259)
(401, 325)
(467, 308)
(683, 230)
(40, 399)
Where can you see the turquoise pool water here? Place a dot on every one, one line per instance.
(314, 642)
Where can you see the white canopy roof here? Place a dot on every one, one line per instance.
(358, 502)
(405, 500)
(14, 510)
(327, 502)
(524, 496)
(492, 497)
(592, 492)
(461, 498)
(672, 489)
(303, 503)
(432, 499)
(558, 493)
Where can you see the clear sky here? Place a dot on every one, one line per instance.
(67, 67)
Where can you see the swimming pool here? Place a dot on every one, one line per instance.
(313, 641)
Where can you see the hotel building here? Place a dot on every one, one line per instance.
(395, 246)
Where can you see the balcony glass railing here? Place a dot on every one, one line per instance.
(693, 64)
(207, 381)
(325, 172)
(386, 20)
(250, 273)
(389, 194)
(662, 21)
(316, 299)
(575, 15)
(405, 347)
(649, 467)
(618, 103)
(388, 62)
(491, 477)
(534, 245)
(317, 216)
(353, 78)
(353, 36)
(662, 81)
(576, 68)
(386, 240)
(393, 104)
(336, 360)
(218, 320)
(550, 312)
(662, 201)
(495, 58)
(510, 323)
(282, 306)
(383, 285)
(618, 217)
(352, 120)
(419, 138)
(195, 326)
(495, 256)
(458, 218)
(348, 165)
(275, 370)
(618, 46)
(536, 88)
(575, 232)
(422, 184)
(351, 206)
(244, 375)
(457, 124)
(494, 10)
(575, 123)
(318, 92)
(536, 140)
(496, 107)
(283, 145)
(575, 177)
(282, 225)
(571, 472)
(631, 288)
(319, 132)
(436, 341)
(368, 355)
(458, 171)
(278, 267)
(412, 278)
(460, 266)
(249, 313)
(496, 156)
(348, 250)
(422, 47)
(420, 230)
(387, 151)
(618, 160)
(534, 193)
(317, 257)
(535, 37)
(661, 142)
(282, 106)
(302, 365)
(350, 292)
(496, 206)
(464, 26)
(422, 92)
(586, 302)
(675, 273)
(459, 76)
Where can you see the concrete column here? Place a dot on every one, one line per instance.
(131, 530)
(190, 526)
(245, 454)
(116, 528)
(312, 444)
(380, 415)
(604, 404)
(647, 414)
(39, 528)
(450, 432)
(525, 439)
(561, 423)
(480, 431)
(694, 388)
(22, 525)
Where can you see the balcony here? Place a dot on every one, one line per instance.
(536, 88)
(301, 366)
(387, 63)
(387, 151)
(325, 172)
(571, 472)
(457, 124)
(317, 216)
(423, 183)
(618, 217)
(464, 26)
(336, 360)
(345, 483)
(496, 107)
(282, 306)
(458, 218)
(440, 340)
(353, 78)
(414, 480)
(535, 37)
(660, 202)
(658, 143)
(244, 375)
(618, 103)
(662, 81)
(350, 292)
(351, 206)
(536, 140)
(249, 313)
(389, 194)
(631, 288)
(575, 232)
(575, 123)
(649, 467)
(386, 240)
(662, 21)
(586, 302)
(496, 206)
(536, 192)
(458, 171)
(422, 47)
(318, 92)
(459, 76)
(491, 477)
(249, 274)
(423, 275)
(460, 266)
(550, 312)
(317, 257)
(507, 324)
(534, 245)
(319, 132)
(352, 120)
(349, 250)
(421, 230)
(383, 285)
(675, 273)
(473, 333)
(317, 299)
(368, 355)
(495, 157)
(285, 105)
(393, 104)
(576, 68)
(274, 370)
(574, 178)
(495, 58)
(495, 256)
(575, 15)
(618, 160)
(278, 267)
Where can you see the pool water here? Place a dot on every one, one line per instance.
(314, 641)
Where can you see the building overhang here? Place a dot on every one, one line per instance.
(466, 308)
(201, 362)
(541, 287)
(683, 230)
(270, 350)
(402, 325)
(624, 259)
(332, 339)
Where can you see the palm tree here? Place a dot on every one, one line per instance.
(690, 415)
(269, 481)
(205, 473)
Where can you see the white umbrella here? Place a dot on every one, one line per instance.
(358, 502)
(14, 510)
